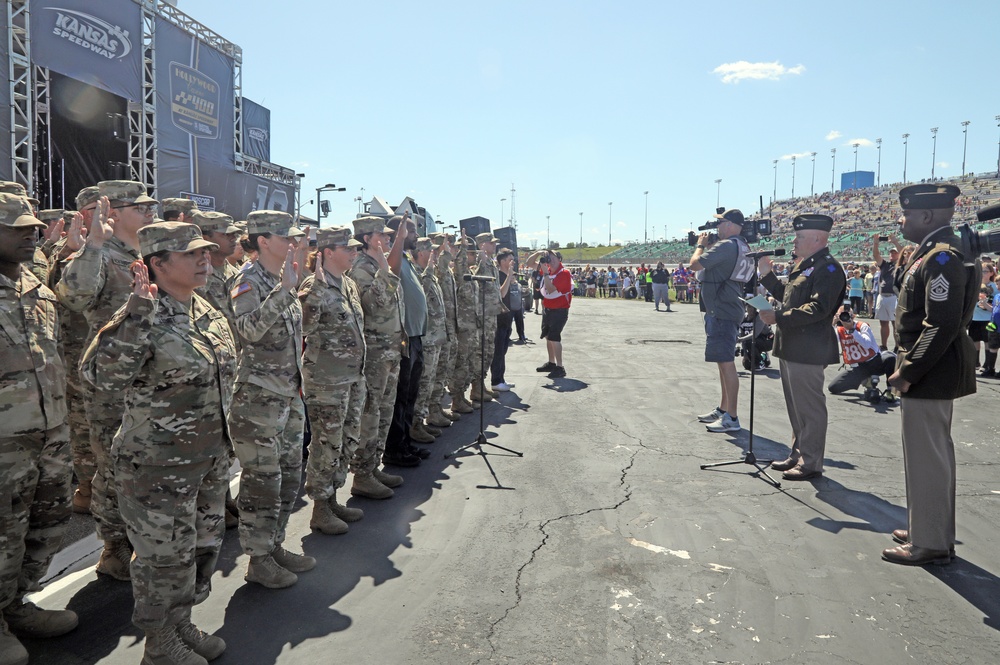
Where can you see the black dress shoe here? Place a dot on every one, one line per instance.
(422, 453)
(902, 536)
(784, 465)
(400, 459)
(547, 367)
(910, 555)
(557, 372)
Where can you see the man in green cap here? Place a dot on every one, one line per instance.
(467, 314)
(446, 363)
(218, 228)
(486, 266)
(422, 430)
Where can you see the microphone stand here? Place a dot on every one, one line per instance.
(750, 458)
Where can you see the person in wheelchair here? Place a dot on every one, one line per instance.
(865, 362)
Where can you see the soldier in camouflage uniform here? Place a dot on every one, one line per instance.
(380, 299)
(73, 332)
(218, 228)
(39, 262)
(333, 371)
(467, 339)
(446, 362)
(53, 219)
(97, 281)
(268, 415)
(434, 341)
(172, 356)
(179, 210)
(35, 467)
(486, 265)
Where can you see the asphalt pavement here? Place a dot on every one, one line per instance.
(606, 542)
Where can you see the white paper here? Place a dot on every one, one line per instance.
(759, 302)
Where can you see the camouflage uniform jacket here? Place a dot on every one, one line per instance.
(32, 377)
(437, 331)
(97, 282)
(40, 266)
(73, 326)
(333, 323)
(467, 295)
(175, 365)
(268, 319)
(216, 292)
(487, 267)
(446, 280)
(381, 300)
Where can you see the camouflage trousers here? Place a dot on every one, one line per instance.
(174, 516)
(466, 348)
(446, 363)
(428, 380)
(84, 460)
(104, 418)
(381, 377)
(267, 433)
(479, 371)
(335, 430)
(35, 481)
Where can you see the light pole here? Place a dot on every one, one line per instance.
(319, 199)
(934, 131)
(855, 186)
(580, 244)
(965, 143)
(833, 169)
(501, 210)
(609, 223)
(774, 196)
(793, 176)
(998, 148)
(878, 146)
(718, 191)
(645, 216)
(812, 184)
(905, 147)
(548, 238)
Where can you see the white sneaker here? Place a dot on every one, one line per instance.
(725, 424)
(503, 387)
(712, 416)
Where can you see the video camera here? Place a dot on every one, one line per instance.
(976, 243)
(751, 230)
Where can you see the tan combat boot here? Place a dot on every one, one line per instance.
(81, 497)
(267, 572)
(30, 620)
(432, 430)
(324, 521)
(115, 559)
(459, 405)
(297, 563)
(343, 512)
(370, 488)
(438, 419)
(489, 391)
(477, 394)
(164, 647)
(387, 479)
(207, 646)
(419, 434)
(12, 652)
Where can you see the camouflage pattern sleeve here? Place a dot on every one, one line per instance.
(82, 279)
(116, 356)
(313, 306)
(40, 266)
(253, 316)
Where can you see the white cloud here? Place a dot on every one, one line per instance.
(797, 155)
(833, 135)
(621, 225)
(865, 143)
(944, 165)
(734, 72)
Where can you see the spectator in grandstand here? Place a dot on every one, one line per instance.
(661, 286)
(885, 304)
(861, 352)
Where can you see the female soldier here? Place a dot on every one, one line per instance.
(172, 355)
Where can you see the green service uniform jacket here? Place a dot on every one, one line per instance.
(815, 291)
(937, 295)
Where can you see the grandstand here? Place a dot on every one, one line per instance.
(857, 214)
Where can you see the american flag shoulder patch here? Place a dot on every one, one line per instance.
(239, 290)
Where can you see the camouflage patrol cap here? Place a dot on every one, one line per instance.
(214, 222)
(275, 222)
(128, 191)
(16, 188)
(68, 215)
(15, 212)
(50, 215)
(171, 237)
(87, 196)
(424, 244)
(370, 224)
(486, 236)
(437, 238)
(185, 206)
(241, 225)
(336, 236)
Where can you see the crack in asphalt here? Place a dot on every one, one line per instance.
(545, 536)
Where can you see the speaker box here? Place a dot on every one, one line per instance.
(474, 226)
(507, 237)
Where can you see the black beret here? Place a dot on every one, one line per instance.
(732, 215)
(812, 223)
(928, 197)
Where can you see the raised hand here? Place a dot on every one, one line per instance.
(55, 230)
(77, 234)
(103, 227)
(290, 271)
(141, 286)
(319, 273)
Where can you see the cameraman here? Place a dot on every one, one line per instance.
(557, 293)
(727, 268)
(861, 354)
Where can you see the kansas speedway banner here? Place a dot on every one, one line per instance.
(99, 43)
(256, 130)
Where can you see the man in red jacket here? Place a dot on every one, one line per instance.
(557, 293)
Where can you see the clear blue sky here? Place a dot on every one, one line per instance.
(582, 103)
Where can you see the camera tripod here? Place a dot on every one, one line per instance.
(750, 458)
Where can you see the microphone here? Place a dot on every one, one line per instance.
(769, 252)
(477, 278)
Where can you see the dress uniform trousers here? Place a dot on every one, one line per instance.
(929, 459)
(806, 405)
